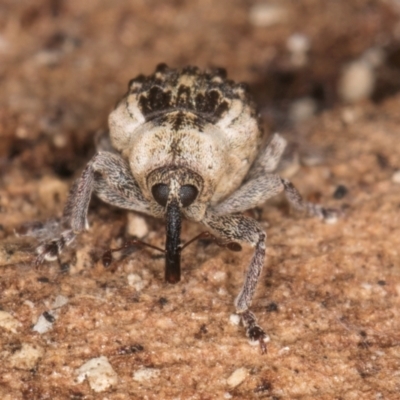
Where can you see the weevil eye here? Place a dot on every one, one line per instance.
(188, 194)
(160, 193)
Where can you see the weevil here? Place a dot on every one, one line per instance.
(187, 143)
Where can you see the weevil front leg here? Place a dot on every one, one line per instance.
(109, 176)
(269, 158)
(261, 184)
(239, 228)
(256, 192)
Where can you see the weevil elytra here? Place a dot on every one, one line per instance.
(187, 143)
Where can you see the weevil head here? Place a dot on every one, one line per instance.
(174, 191)
(178, 185)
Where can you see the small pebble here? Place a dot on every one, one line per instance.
(219, 276)
(332, 218)
(43, 324)
(27, 357)
(283, 350)
(137, 226)
(302, 109)
(8, 322)
(357, 81)
(350, 115)
(60, 301)
(60, 140)
(145, 374)
(136, 282)
(264, 14)
(29, 303)
(298, 45)
(47, 318)
(340, 192)
(237, 377)
(99, 372)
(396, 177)
(234, 319)
(366, 286)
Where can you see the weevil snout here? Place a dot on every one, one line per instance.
(174, 188)
(180, 183)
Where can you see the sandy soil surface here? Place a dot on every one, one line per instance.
(327, 76)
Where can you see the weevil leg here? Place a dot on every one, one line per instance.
(108, 175)
(102, 142)
(268, 159)
(239, 228)
(329, 215)
(251, 194)
(254, 193)
(261, 184)
(115, 184)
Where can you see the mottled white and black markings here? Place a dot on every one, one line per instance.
(186, 143)
(47, 319)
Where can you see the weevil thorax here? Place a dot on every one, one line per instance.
(184, 129)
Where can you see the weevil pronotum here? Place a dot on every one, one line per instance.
(187, 143)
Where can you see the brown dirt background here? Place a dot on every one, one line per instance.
(330, 294)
